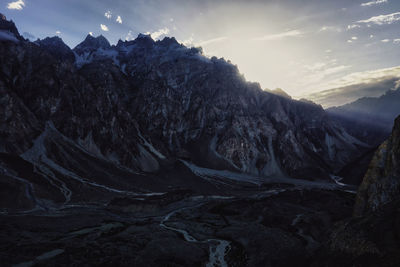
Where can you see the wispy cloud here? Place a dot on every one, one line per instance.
(330, 28)
(104, 27)
(280, 36)
(18, 5)
(157, 34)
(356, 85)
(214, 40)
(108, 15)
(119, 20)
(353, 26)
(382, 19)
(366, 77)
(375, 2)
(314, 74)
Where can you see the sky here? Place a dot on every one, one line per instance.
(331, 52)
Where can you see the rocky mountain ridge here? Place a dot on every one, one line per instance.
(143, 101)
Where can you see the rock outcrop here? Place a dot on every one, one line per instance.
(381, 183)
(371, 237)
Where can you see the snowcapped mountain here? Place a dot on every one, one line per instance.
(144, 104)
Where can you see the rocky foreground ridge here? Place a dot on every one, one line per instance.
(371, 237)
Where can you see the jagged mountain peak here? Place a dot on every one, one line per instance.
(55, 41)
(8, 30)
(56, 46)
(144, 36)
(92, 43)
(169, 41)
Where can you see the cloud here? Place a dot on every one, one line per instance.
(356, 85)
(280, 36)
(214, 40)
(316, 73)
(353, 26)
(18, 5)
(108, 14)
(375, 2)
(159, 33)
(385, 40)
(382, 19)
(104, 27)
(367, 76)
(119, 20)
(344, 95)
(330, 28)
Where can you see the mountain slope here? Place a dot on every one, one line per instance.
(369, 118)
(142, 105)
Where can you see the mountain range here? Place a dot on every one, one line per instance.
(133, 153)
(370, 118)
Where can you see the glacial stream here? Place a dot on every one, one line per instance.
(218, 247)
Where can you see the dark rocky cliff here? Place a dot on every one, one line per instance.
(381, 183)
(371, 237)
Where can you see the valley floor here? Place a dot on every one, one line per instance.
(268, 225)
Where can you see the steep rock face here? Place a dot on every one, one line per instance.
(57, 48)
(370, 238)
(381, 183)
(204, 108)
(143, 103)
(91, 44)
(8, 30)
